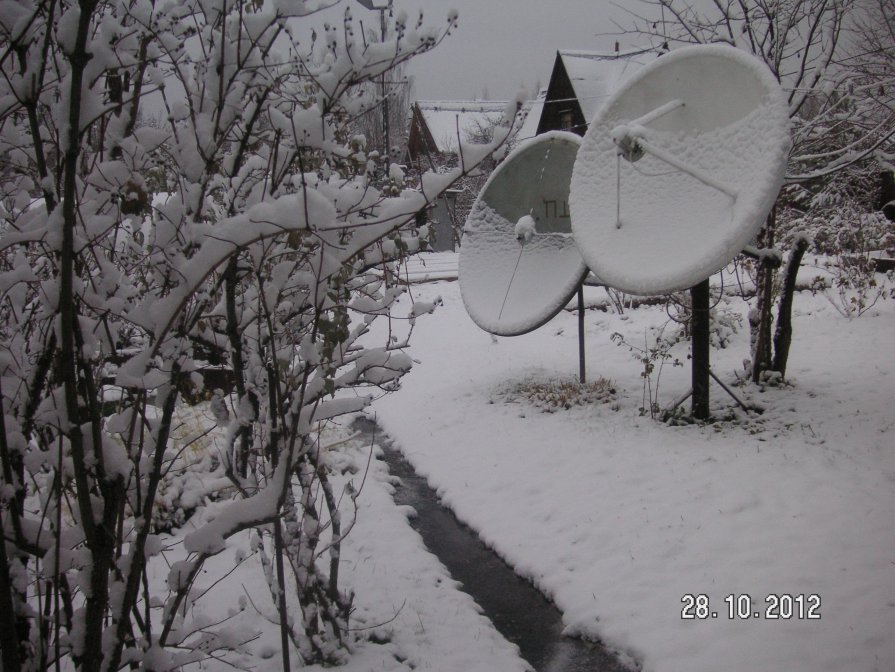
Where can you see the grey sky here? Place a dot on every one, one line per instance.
(501, 45)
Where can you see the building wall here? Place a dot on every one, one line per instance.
(561, 109)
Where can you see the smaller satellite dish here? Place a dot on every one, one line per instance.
(679, 169)
(519, 264)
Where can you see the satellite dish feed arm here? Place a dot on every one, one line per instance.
(629, 138)
(693, 171)
(660, 111)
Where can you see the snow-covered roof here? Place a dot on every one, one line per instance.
(443, 117)
(532, 111)
(595, 75)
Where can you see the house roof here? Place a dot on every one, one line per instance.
(532, 111)
(443, 117)
(596, 75)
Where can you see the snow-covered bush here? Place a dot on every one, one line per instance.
(192, 471)
(838, 214)
(652, 355)
(852, 284)
(724, 321)
(838, 236)
(269, 253)
(838, 218)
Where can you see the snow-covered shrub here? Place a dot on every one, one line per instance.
(267, 254)
(852, 285)
(192, 470)
(724, 321)
(843, 233)
(846, 233)
(652, 355)
(725, 324)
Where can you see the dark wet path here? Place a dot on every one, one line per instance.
(517, 609)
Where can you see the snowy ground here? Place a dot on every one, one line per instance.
(408, 612)
(613, 515)
(618, 517)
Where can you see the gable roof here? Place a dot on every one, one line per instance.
(442, 118)
(532, 116)
(582, 81)
(596, 75)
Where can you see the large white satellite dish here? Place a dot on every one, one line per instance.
(679, 169)
(519, 264)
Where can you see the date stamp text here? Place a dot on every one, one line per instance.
(783, 606)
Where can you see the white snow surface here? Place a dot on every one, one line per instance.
(525, 228)
(616, 517)
(546, 275)
(531, 112)
(406, 602)
(675, 230)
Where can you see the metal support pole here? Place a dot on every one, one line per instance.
(581, 377)
(699, 338)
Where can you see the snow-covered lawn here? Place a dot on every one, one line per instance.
(618, 517)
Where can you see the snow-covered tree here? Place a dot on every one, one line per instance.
(871, 57)
(271, 251)
(836, 121)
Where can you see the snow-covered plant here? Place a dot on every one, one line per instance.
(724, 322)
(848, 242)
(652, 355)
(617, 299)
(192, 473)
(271, 250)
(840, 214)
(853, 285)
(839, 220)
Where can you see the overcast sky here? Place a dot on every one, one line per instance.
(501, 45)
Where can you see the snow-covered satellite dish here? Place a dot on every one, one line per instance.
(679, 169)
(519, 264)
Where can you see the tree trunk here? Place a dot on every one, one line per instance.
(761, 354)
(9, 646)
(783, 332)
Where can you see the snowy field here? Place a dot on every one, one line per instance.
(617, 517)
